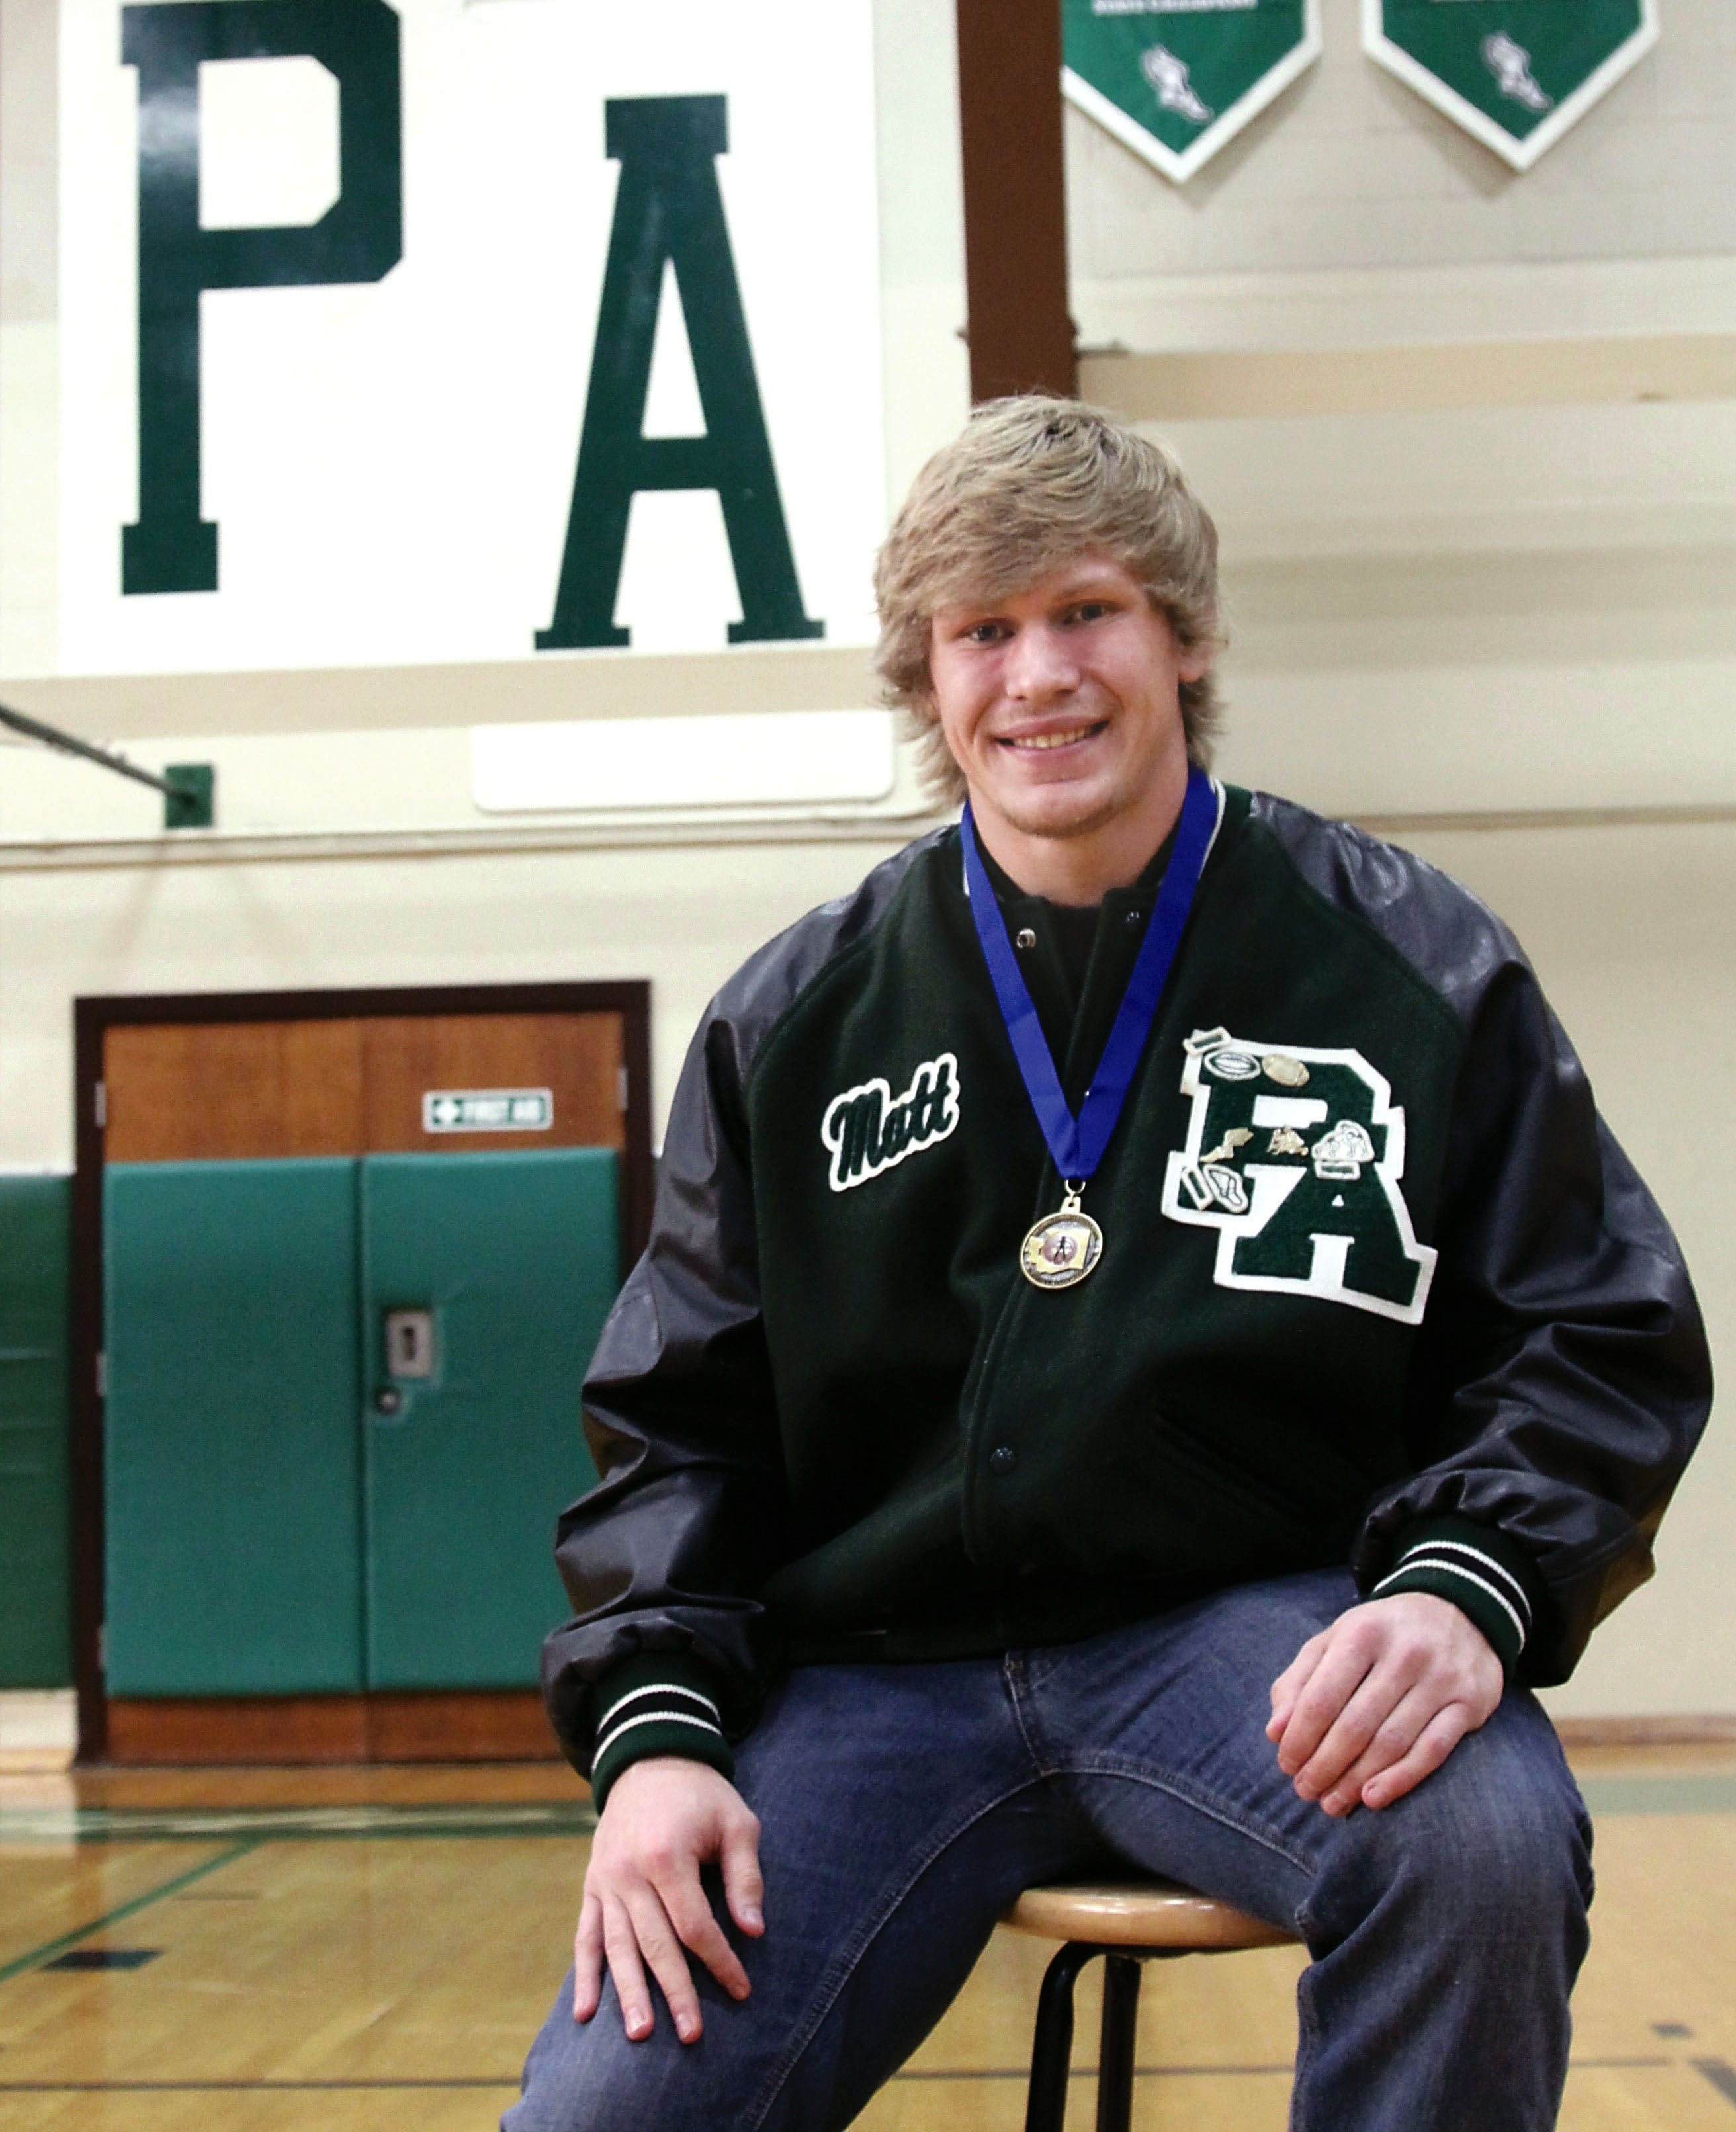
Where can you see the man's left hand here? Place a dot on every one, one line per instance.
(1370, 1706)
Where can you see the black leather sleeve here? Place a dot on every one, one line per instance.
(690, 1515)
(1561, 1378)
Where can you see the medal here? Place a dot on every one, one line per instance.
(1061, 1249)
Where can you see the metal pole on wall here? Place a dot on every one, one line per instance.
(187, 787)
(1020, 329)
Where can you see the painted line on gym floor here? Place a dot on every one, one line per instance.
(1716, 2071)
(1090, 2072)
(507, 2080)
(266, 1824)
(1241, 2072)
(49, 1948)
(1609, 1796)
(1702, 1793)
(1723, 2077)
(1612, 2065)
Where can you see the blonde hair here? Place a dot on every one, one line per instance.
(1028, 486)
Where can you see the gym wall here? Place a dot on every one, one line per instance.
(1480, 601)
(1479, 547)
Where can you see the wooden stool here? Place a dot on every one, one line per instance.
(1144, 1921)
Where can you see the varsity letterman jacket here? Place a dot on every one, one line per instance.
(1377, 1286)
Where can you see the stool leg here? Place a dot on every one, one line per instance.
(1051, 2047)
(1115, 2053)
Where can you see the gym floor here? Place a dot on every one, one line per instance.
(354, 1949)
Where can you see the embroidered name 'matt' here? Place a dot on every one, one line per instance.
(868, 1128)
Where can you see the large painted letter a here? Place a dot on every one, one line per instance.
(669, 208)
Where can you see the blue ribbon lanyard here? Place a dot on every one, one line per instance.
(1077, 1144)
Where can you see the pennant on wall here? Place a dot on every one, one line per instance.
(1175, 80)
(1515, 73)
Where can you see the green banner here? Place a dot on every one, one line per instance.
(1515, 73)
(1175, 80)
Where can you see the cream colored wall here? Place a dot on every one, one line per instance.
(682, 918)
(1629, 928)
(1477, 570)
(1628, 925)
(1350, 211)
(1489, 613)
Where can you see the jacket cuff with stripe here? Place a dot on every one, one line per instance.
(661, 1702)
(1486, 1575)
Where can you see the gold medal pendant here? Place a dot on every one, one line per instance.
(1061, 1249)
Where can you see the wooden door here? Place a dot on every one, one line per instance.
(194, 1085)
(225, 1091)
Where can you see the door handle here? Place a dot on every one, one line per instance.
(409, 1357)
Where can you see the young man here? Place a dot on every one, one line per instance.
(1147, 1353)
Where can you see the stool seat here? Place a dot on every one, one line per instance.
(1154, 1914)
(1127, 1923)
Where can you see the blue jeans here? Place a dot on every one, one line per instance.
(903, 1808)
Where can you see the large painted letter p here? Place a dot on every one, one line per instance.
(359, 238)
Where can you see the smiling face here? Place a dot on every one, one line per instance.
(1059, 704)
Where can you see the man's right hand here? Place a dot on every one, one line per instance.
(664, 1817)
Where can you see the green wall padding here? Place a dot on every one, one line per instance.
(517, 1256)
(272, 1528)
(234, 1532)
(36, 1509)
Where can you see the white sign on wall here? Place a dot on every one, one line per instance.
(487, 1110)
(744, 759)
(423, 332)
